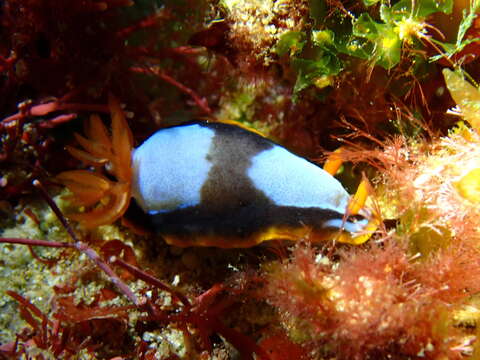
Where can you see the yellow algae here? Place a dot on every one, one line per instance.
(469, 186)
(466, 96)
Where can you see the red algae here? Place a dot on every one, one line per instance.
(368, 304)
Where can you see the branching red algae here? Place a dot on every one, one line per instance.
(374, 302)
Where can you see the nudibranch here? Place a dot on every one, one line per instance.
(217, 184)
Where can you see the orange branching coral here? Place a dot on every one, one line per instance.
(105, 200)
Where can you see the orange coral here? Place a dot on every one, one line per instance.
(105, 200)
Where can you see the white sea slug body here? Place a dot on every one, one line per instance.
(215, 184)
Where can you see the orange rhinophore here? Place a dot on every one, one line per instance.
(356, 204)
(334, 162)
(104, 200)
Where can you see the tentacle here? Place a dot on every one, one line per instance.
(95, 148)
(85, 178)
(122, 141)
(87, 158)
(83, 197)
(356, 205)
(96, 131)
(117, 204)
(357, 202)
(367, 232)
(87, 188)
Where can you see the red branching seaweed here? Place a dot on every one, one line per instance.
(47, 334)
(73, 329)
(59, 59)
(204, 313)
(373, 302)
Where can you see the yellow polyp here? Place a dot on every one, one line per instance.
(466, 96)
(469, 186)
(104, 200)
(357, 202)
(334, 162)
